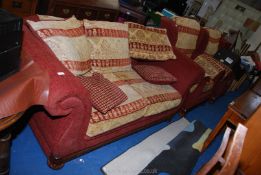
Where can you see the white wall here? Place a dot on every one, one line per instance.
(232, 18)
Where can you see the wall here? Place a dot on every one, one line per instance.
(227, 17)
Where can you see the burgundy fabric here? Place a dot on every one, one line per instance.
(172, 30)
(67, 97)
(183, 68)
(154, 74)
(201, 43)
(65, 135)
(104, 94)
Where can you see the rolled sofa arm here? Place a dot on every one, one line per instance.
(67, 99)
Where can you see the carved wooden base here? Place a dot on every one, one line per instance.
(5, 153)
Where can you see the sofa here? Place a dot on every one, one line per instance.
(200, 44)
(69, 125)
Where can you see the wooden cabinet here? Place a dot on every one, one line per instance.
(90, 9)
(132, 13)
(19, 7)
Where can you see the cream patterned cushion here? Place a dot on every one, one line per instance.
(149, 43)
(67, 41)
(188, 31)
(213, 41)
(107, 45)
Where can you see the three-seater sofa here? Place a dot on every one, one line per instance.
(69, 125)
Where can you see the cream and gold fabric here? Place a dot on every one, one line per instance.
(67, 41)
(213, 41)
(211, 66)
(188, 31)
(149, 43)
(144, 99)
(107, 46)
(132, 109)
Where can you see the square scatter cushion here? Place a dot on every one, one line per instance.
(149, 43)
(107, 46)
(154, 74)
(188, 31)
(67, 41)
(104, 94)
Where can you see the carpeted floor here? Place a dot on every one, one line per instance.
(28, 159)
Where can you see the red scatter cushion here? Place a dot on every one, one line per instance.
(154, 74)
(104, 94)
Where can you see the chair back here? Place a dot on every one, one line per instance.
(226, 159)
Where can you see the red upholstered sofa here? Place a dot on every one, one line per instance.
(62, 126)
(199, 44)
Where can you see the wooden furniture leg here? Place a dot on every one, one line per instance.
(5, 140)
(217, 129)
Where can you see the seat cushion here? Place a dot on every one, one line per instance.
(149, 43)
(211, 66)
(213, 41)
(67, 41)
(132, 109)
(107, 45)
(160, 97)
(154, 74)
(144, 99)
(188, 31)
(104, 94)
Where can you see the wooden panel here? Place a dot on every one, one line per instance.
(20, 7)
(64, 11)
(250, 161)
(87, 13)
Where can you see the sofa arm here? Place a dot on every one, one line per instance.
(63, 84)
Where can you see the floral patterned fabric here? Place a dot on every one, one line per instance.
(144, 99)
(213, 41)
(154, 74)
(104, 94)
(188, 31)
(149, 43)
(107, 46)
(67, 41)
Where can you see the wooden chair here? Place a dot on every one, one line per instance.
(226, 159)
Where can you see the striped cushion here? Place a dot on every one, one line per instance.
(154, 74)
(149, 43)
(213, 41)
(107, 45)
(67, 41)
(188, 31)
(104, 94)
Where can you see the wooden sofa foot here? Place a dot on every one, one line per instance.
(182, 112)
(55, 163)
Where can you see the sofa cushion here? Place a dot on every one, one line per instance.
(107, 46)
(67, 41)
(211, 66)
(160, 97)
(188, 31)
(154, 74)
(144, 99)
(132, 109)
(104, 94)
(213, 41)
(149, 43)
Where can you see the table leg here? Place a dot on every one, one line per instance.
(217, 129)
(5, 153)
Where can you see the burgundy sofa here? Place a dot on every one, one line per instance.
(220, 83)
(61, 126)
